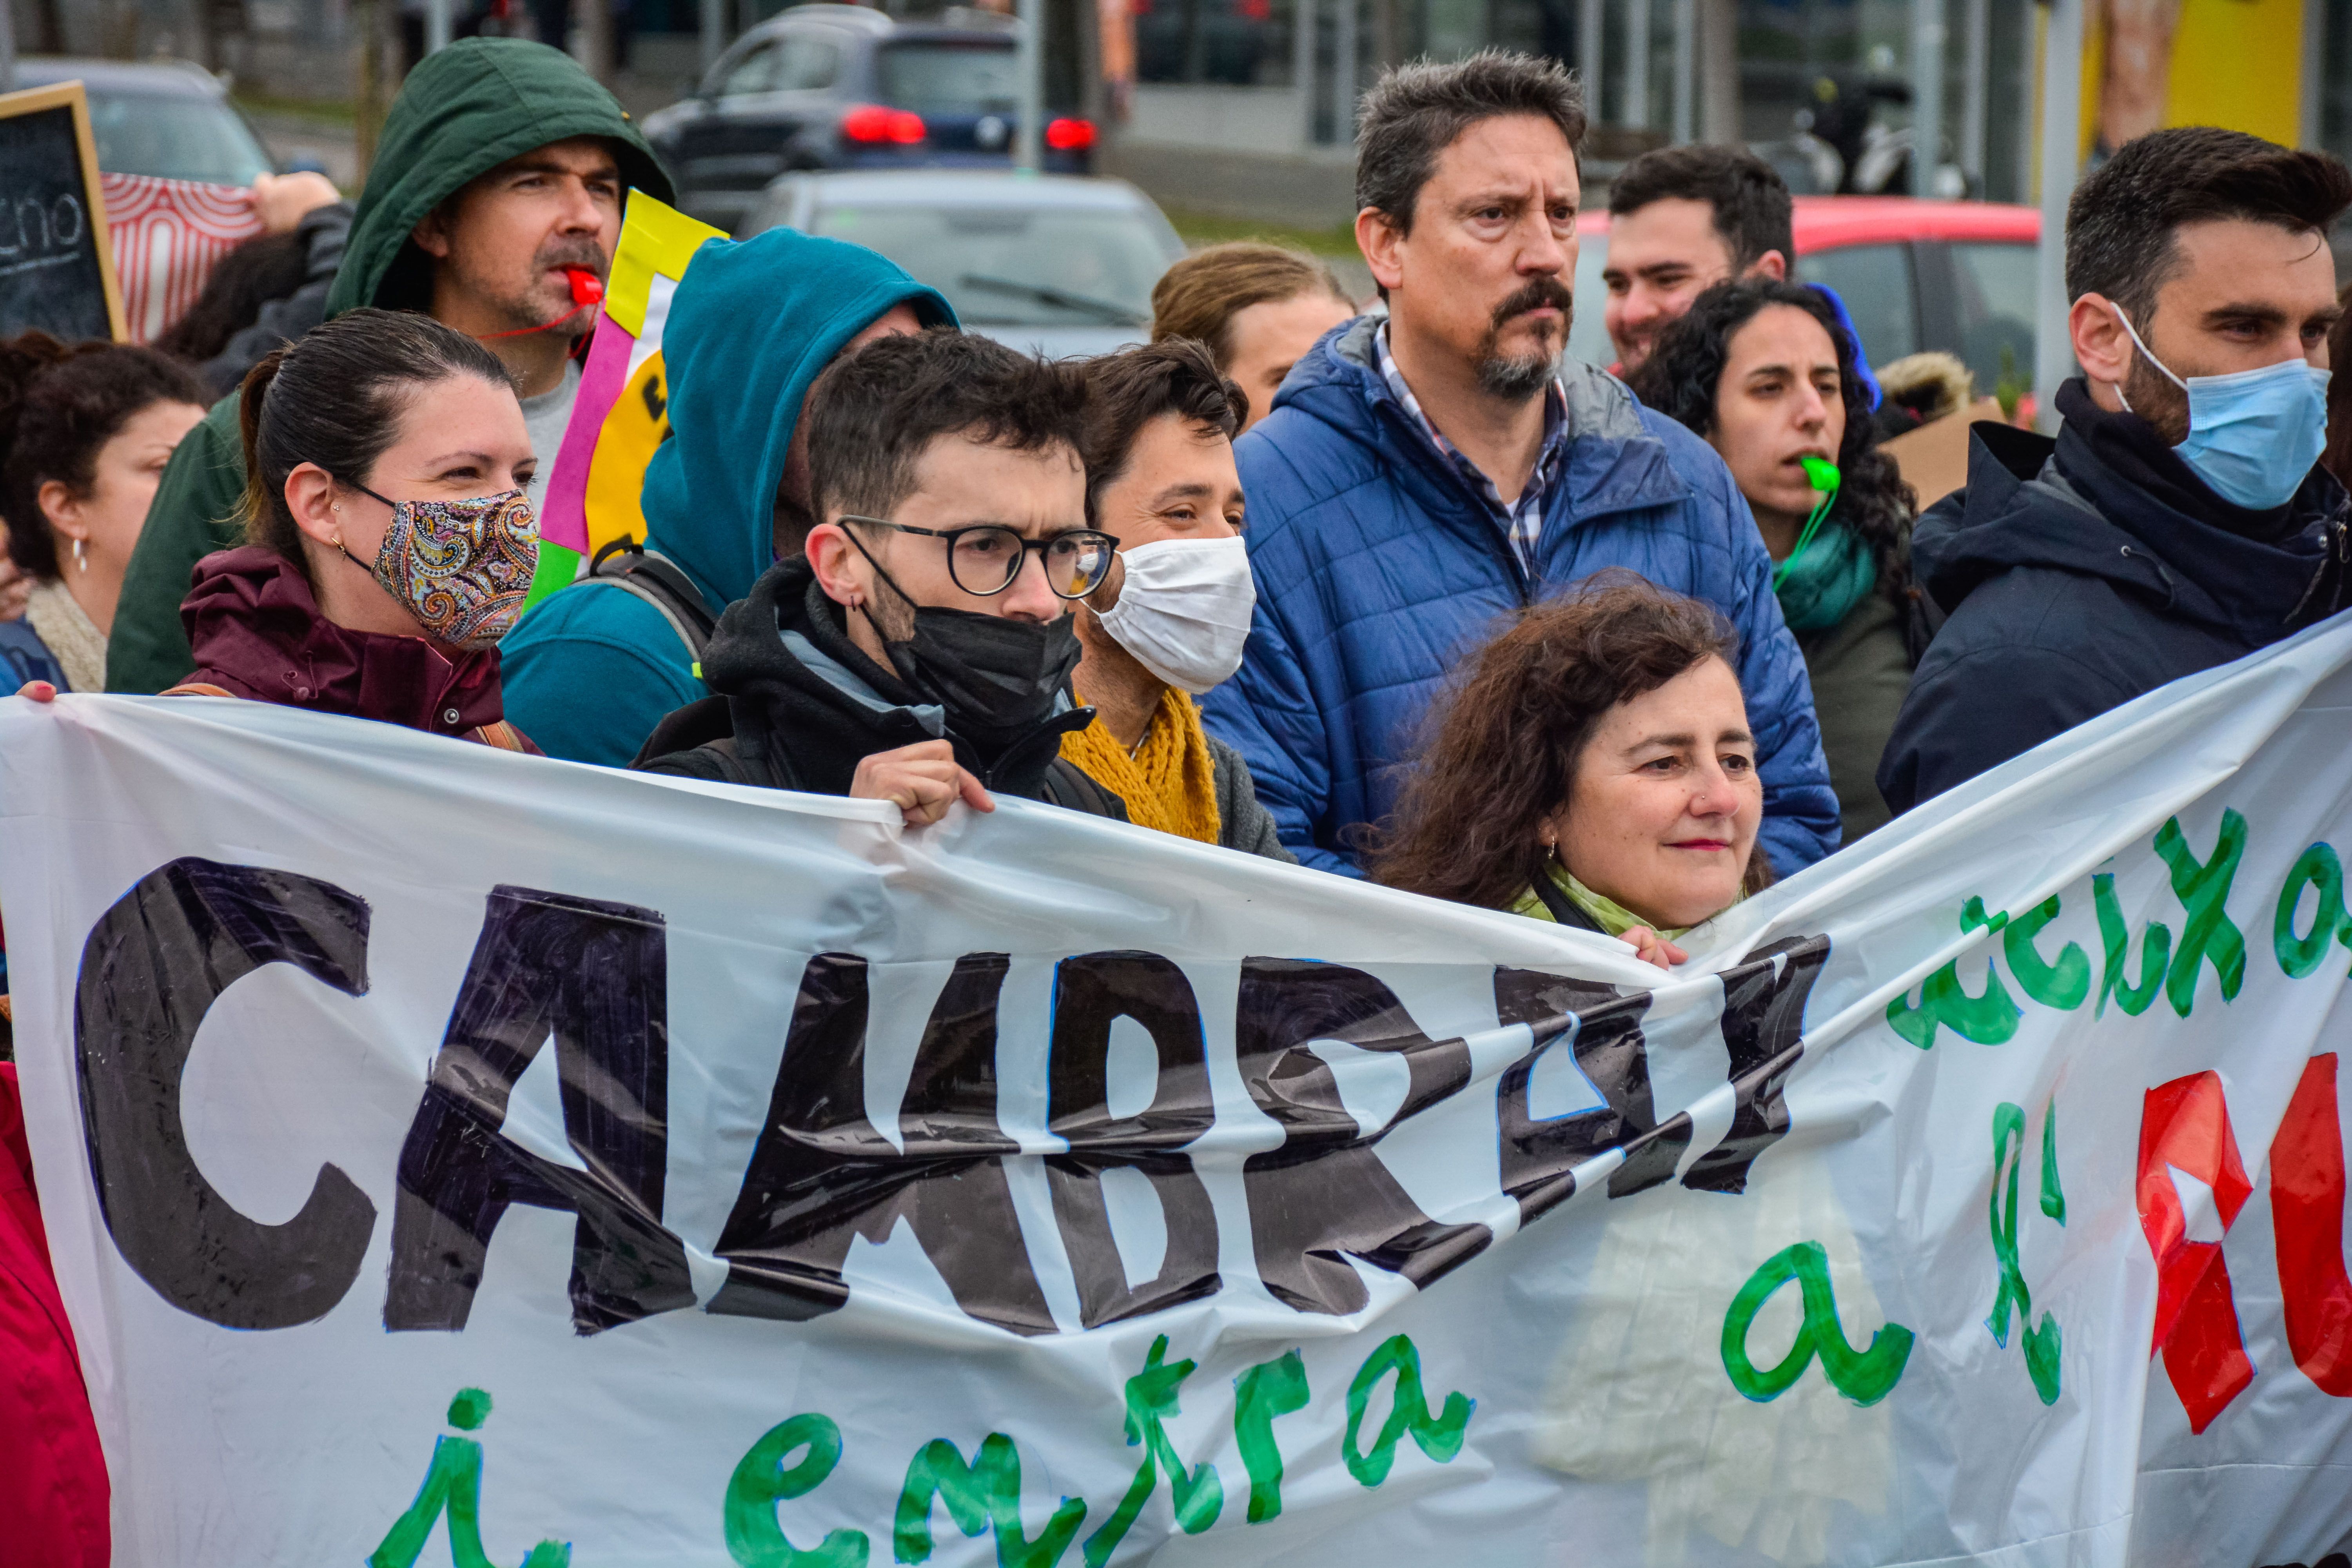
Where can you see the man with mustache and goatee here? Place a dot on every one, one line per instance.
(1424, 477)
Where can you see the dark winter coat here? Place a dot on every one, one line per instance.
(257, 633)
(1377, 569)
(2079, 574)
(798, 706)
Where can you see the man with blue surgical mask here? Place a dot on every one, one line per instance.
(2179, 520)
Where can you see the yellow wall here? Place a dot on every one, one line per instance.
(2236, 63)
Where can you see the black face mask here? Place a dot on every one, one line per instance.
(996, 677)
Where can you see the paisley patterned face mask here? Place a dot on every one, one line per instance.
(460, 567)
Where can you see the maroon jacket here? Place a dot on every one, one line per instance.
(257, 633)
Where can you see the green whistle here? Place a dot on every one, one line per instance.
(1822, 475)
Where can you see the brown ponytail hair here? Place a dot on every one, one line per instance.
(1504, 744)
(335, 398)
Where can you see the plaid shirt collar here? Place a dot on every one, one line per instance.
(1521, 522)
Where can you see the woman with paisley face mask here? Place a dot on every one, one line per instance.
(390, 540)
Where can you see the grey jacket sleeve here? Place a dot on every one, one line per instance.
(324, 231)
(1242, 822)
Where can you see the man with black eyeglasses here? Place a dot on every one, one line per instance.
(921, 650)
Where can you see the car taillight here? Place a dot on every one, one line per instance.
(1069, 135)
(872, 124)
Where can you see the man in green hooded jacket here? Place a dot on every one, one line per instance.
(502, 169)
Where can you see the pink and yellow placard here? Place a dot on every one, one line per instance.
(622, 413)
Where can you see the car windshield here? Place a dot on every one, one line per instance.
(1017, 266)
(176, 138)
(977, 77)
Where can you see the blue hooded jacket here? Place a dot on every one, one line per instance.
(593, 668)
(1377, 569)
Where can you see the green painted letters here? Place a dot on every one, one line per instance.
(1439, 1434)
(2316, 868)
(984, 1493)
(754, 1538)
(1862, 1375)
(2042, 1343)
(2208, 932)
(2155, 947)
(1988, 1018)
(1265, 1391)
(453, 1484)
(2063, 985)
(1199, 1496)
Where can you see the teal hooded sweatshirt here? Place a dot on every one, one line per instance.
(593, 668)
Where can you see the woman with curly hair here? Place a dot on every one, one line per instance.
(1593, 766)
(1763, 371)
(85, 431)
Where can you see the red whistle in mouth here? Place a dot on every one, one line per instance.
(587, 289)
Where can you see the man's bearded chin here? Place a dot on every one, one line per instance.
(2157, 400)
(530, 310)
(1516, 378)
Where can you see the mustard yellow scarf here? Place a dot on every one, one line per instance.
(1170, 783)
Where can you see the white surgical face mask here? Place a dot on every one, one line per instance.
(1184, 609)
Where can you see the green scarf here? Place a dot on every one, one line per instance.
(1610, 916)
(1827, 579)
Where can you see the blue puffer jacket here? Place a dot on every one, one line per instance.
(1377, 568)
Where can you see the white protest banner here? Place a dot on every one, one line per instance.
(457, 1157)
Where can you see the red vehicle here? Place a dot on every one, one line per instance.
(1915, 275)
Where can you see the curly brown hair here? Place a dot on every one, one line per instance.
(1504, 743)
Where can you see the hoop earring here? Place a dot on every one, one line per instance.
(81, 555)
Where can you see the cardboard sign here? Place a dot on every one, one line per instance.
(56, 266)
(1933, 458)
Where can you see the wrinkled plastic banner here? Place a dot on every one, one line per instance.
(667, 1174)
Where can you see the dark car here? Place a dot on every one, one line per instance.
(166, 118)
(841, 87)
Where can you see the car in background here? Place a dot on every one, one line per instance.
(1050, 263)
(1915, 275)
(843, 86)
(166, 118)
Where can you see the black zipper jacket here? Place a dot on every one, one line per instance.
(799, 706)
(2081, 573)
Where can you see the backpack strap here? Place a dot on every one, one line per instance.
(195, 689)
(661, 584)
(1072, 788)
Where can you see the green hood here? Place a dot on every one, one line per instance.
(460, 113)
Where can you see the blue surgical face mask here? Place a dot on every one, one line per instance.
(2252, 436)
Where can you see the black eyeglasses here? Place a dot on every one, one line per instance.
(985, 558)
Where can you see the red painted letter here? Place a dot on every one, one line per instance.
(2307, 1215)
(2186, 1124)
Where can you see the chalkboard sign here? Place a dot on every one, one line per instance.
(56, 270)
